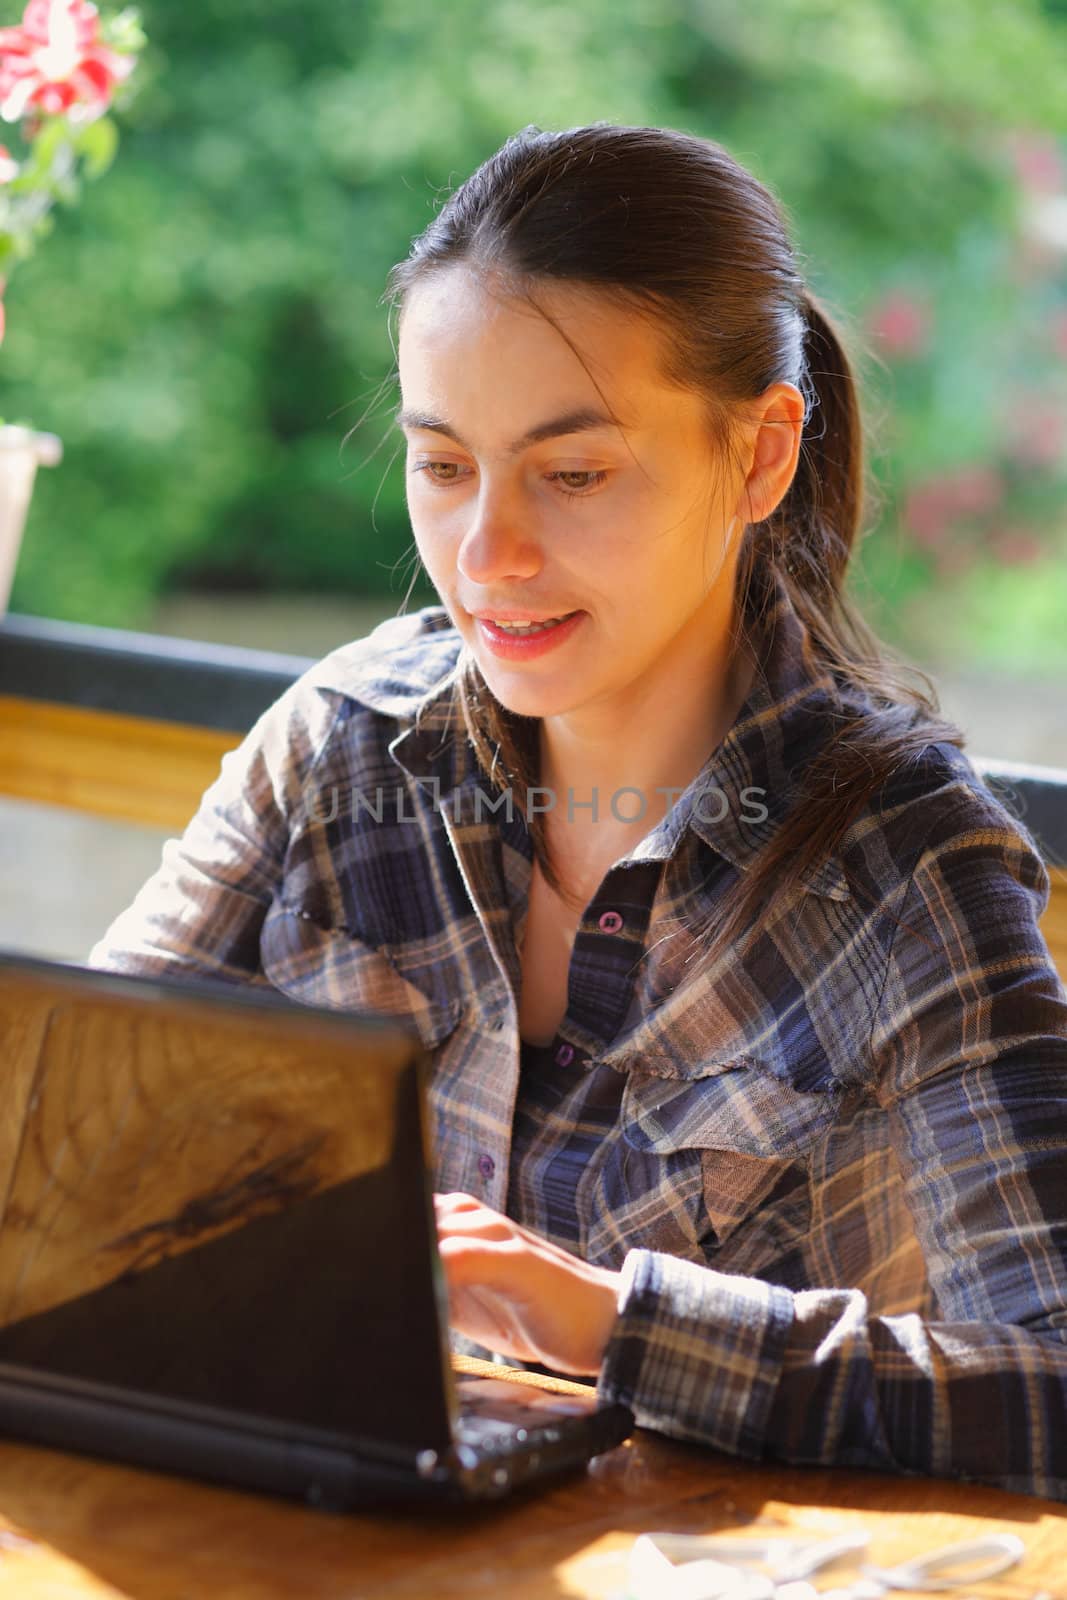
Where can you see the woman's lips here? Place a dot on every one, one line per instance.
(525, 646)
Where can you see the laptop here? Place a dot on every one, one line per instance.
(218, 1252)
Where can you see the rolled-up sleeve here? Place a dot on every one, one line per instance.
(201, 912)
(968, 1061)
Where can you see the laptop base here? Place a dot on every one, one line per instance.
(500, 1445)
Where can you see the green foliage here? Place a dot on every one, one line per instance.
(97, 142)
(208, 327)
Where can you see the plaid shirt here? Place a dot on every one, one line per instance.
(834, 1176)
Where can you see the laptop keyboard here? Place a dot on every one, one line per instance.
(492, 1438)
(496, 1417)
(506, 1434)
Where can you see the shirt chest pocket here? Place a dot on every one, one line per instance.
(332, 968)
(713, 1169)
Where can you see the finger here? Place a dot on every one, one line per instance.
(456, 1201)
(475, 1225)
(488, 1263)
(464, 1210)
(452, 1206)
(484, 1316)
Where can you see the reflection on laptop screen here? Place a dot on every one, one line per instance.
(214, 1203)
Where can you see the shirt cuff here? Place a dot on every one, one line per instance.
(695, 1353)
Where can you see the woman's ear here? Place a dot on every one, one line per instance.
(774, 440)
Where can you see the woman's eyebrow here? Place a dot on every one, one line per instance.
(579, 421)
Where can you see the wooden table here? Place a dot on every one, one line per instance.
(70, 1526)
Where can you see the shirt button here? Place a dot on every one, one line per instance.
(486, 1166)
(610, 922)
(565, 1055)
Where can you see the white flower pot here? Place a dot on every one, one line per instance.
(22, 451)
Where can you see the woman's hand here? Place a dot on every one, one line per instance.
(520, 1295)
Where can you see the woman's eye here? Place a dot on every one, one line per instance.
(439, 471)
(587, 480)
(573, 483)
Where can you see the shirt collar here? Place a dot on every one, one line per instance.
(783, 722)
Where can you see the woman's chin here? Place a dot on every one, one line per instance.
(527, 699)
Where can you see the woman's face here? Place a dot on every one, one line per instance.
(527, 501)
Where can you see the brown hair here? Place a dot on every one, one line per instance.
(671, 226)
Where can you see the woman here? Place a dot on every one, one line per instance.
(749, 1058)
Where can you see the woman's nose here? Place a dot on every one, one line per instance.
(495, 547)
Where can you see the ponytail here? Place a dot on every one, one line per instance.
(812, 531)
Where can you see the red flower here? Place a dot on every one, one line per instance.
(1059, 333)
(954, 560)
(9, 167)
(901, 323)
(927, 512)
(1037, 431)
(55, 61)
(1038, 161)
(976, 490)
(934, 506)
(1017, 547)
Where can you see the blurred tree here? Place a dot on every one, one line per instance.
(210, 327)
